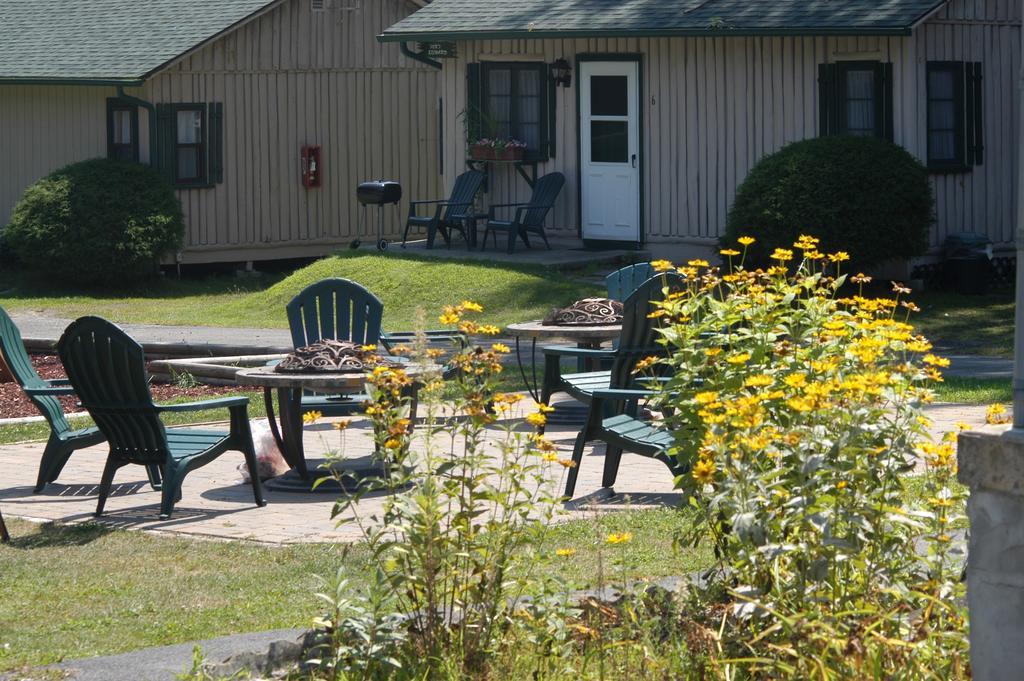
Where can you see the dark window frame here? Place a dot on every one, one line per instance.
(843, 69)
(957, 164)
(114, 105)
(542, 152)
(202, 148)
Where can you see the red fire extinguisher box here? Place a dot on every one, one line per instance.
(311, 168)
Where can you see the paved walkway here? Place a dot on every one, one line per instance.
(39, 326)
(215, 504)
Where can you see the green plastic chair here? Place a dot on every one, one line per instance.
(637, 340)
(622, 282)
(63, 440)
(107, 369)
(450, 214)
(529, 217)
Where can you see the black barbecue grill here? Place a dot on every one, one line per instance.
(378, 193)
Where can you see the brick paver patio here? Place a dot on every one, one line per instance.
(215, 504)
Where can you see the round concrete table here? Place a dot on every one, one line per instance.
(590, 337)
(289, 387)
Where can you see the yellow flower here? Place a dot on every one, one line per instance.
(840, 256)
(567, 463)
(536, 419)
(392, 443)
(729, 252)
(704, 471)
(311, 417)
(759, 381)
(550, 457)
(500, 348)
(746, 240)
(342, 425)
(369, 348)
(935, 361)
(996, 414)
(661, 265)
(782, 254)
(449, 318)
(842, 484)
(565, 553)
(471, 306)
(712, 352)
(544, 409)
(489, 330)
(706, 397)
(698, 263)
(619, 538)
(741, 358)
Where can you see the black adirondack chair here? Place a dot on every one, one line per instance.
(63, 439)
(107, 369)
(622, 282)
(529, 217)
(449, 214)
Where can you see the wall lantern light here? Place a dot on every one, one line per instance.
(561, 73)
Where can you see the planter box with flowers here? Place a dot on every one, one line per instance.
(497, 150)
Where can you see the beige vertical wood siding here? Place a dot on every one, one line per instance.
(296, 77)
(290, 78)
(713, 106)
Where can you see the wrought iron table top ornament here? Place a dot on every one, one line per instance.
(587, 312)
(330, 356)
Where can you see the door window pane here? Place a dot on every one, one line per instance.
(609, 141)
(609, 96)
(122, 126)
(860, 102)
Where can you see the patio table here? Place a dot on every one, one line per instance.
(590, 337)
(288, 435)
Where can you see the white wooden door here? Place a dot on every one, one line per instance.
(610, 150)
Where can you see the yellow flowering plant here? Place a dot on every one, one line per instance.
(796, 404)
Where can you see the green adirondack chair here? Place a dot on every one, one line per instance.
(529, 217)
(449, 214)
(107, 369)
(638, 339)
(613, 418)
(63, 440)
(622, 282)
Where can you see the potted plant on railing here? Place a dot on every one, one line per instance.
(497, 149)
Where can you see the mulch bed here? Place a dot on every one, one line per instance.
(14, 403)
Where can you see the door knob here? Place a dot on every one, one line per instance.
(634, 160)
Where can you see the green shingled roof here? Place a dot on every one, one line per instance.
(107, 40)
(471, 19)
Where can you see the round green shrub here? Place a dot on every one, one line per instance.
(862, 195)
(96, 222)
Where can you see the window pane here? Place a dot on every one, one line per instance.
(188, 163)
(860, 117)
(190, 127)
(530, 134)
(860, 84)
(608, 96)
(528, 109)
(122, 126)
(942, 145)
(941, 115)
(529, 83)
(940, 84)
(609, 141)
(124, 152)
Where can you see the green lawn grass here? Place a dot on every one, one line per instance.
(974, 390)
(960, 324)
(405, 283)
(84, 590)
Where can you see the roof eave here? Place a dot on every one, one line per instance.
(110, 82)
(526, 34)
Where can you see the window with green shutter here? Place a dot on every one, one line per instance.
(512, 100)
(954, 116)
(190, 143)
(122, 130)
(855, 98)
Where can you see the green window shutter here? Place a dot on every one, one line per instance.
(165, 138)
(216, 141)
(974, 112)
(828, 96)
(552, 99)
(885, 95)
(474, 104)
